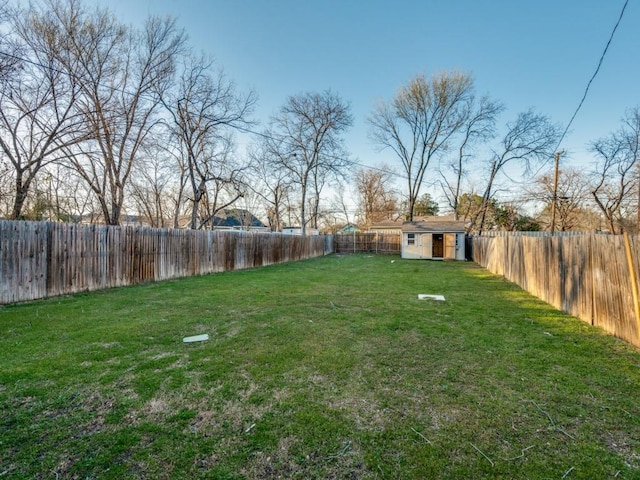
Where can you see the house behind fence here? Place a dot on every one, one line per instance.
(588, 275)
(41, 259)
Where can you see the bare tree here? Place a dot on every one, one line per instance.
(419, 122)
(572, 193)
(631, 126)
(67, 195)
(6, 192)
(9, 52)
(120, 71)
(178, 205)
(38, 120)
(153, 177)
(249, 211)
(617, 171)
(222, 191)
(479, 126)
(339, 215)
(271, 185)
(528, 142)
(305, 140)
(205, 108)
(376, 199)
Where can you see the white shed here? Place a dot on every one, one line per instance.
(434, 239)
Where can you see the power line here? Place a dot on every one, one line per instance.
(586, 91)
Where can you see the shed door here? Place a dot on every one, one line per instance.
(450, 246)
(426, 243)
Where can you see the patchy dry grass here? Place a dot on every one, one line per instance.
(329, 368)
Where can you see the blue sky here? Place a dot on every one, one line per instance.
(537, 54)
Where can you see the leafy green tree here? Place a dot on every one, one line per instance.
(510, 218)
(425, 206)
(470, 207)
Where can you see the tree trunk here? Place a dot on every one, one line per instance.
(114, 218)
(303, 227)
(487, 196)
(456, 195)
(21, 196)
(412, 202)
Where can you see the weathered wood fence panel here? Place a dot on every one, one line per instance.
(40, 259)
(28, 241)
(586, 275)
(367, 242)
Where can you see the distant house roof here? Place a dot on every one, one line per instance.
(348, 228)
(435, 225)
(386, 224)
(236, 217)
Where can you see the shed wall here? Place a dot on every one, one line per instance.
(454, 246)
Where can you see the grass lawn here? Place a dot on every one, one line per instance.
(327, 368)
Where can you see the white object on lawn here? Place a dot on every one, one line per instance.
(424, 296)
(196, 338)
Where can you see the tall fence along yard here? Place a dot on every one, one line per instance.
(590, 276)
(41, 259)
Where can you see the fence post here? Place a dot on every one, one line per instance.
(634, 279)
(48, 260)
(592, 293)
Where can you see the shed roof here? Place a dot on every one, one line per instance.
(435, 226)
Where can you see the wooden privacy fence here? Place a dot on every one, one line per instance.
(40, 259)
(589, 276)
(369, 242)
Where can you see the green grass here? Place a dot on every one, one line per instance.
(328, 368)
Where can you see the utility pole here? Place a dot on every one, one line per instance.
(554, 200)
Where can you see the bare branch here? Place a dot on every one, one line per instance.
(615, 177)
